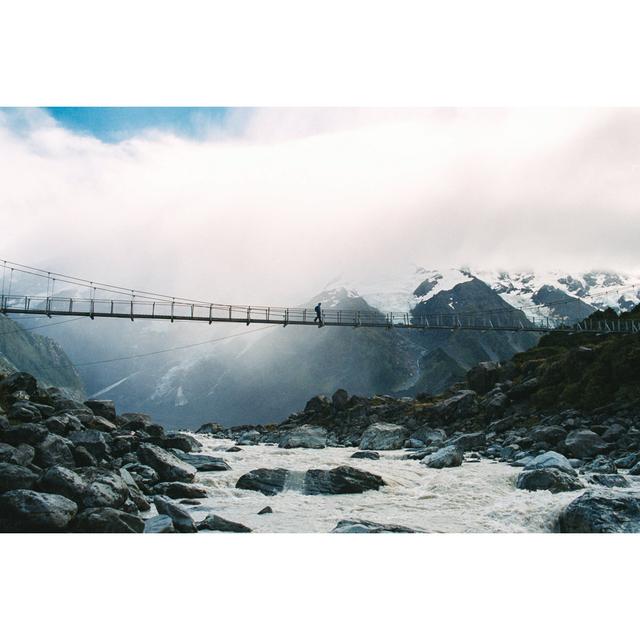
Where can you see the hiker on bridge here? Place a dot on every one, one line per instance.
(318, 310)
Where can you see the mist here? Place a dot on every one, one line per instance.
(270, 209)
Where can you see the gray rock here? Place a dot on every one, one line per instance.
(107, 520)
(627, 461)
(24, 433)
(549, 479)
(25, 412)
(267, 481)
(483, 376)
(216, 523)
(306, 436)
(159, 524)
(64, 482)
(203, 462)
(168, 466)
(551, 460)
(144, 476)
(182, 441)
(549, 433)
(211, 428)
(181, 490)
(340, 400)
(468, 441)
(93, 441)
(429, 436)
(614, 433)
(449, 456)
(340, 480)
(608, 479)
(103, 488)
(19, 381)
(54, 450)
(265, 510)
(583, 443)
(596, 511)
(635, 470)
(367, 526)
(462, 404)
(367, 455)
(23, 510)
(83, 458)
(601, 464)
(384, 436)
(13, 476)
(182, 520)
(249, 438)
(21, 455)
(102, 424)
(103, 408)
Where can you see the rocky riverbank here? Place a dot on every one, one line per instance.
(67, 466)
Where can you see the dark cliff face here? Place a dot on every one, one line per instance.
(42, 357)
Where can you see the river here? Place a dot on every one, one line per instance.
(475, 497)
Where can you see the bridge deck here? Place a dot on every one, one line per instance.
(149, 309)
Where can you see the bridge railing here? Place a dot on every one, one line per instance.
(176, 310)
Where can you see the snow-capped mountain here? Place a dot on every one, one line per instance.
(558, 296)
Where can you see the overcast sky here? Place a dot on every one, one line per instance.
(266, 206)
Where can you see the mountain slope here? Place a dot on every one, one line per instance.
(38, 355)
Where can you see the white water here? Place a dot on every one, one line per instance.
(476, 497)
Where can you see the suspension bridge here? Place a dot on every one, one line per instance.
(109, 301)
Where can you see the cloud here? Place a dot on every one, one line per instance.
(269, 213)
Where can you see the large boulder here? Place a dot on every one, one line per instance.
(103, 408)
(63, 481)
(598, 512)
(169, 467)
(14, 476)
(340, 400)
(384, 436)
(601, 464)
(159, 524)
(610, 480)
(23, 510)
(24, 434)
(182, 520)
(551, 460)
(103, 488)
(367, 526)
(25, 412)
(216, 523)
(553, 480)
(469, 441)
(19, 381)
(450, 456)
(54, 450)
(267, 481)
(305, 437)
(180, 490)
(367, 455)
(583, 443)
(462, 404)
(107, 520)
(203, 462)
(483, 377)
(210, 429)
(182, 441)
(548, 434)
(93, 441)
(144, 476)
(340, 480)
